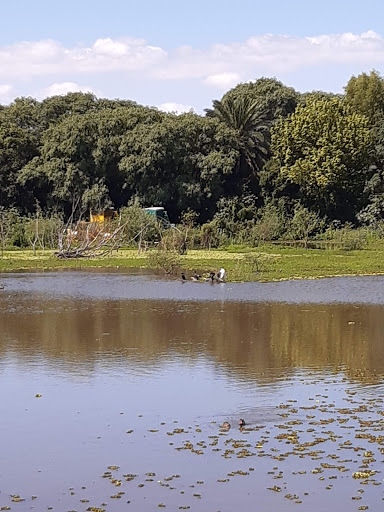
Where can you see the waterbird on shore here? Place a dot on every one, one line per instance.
(183, 278)
(195, 276)
(221, 274)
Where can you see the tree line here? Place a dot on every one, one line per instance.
(261, 157)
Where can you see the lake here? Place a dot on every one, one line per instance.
(115, 387)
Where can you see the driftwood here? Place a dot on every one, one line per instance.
(87, 243)
(91, 240)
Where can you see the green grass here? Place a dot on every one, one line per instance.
(277, 263)
(267, 263)
(25, 260)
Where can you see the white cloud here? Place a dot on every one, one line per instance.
(110, 48)
(28, 59)
(269, 52)
(62, 88)
(272, 55)
(5, 89)
(177, 108)
(223, 80)
(5, 93)
(220, 65)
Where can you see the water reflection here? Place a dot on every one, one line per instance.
(258, 341)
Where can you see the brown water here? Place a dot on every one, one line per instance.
(139, 372)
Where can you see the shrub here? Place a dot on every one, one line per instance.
(139, 226)
(173, 240)
(304, 224)
(270, 225)
(9, 220)
(164, 259)
(349, 239)
(42, 231)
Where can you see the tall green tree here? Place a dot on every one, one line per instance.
(275, 99)
(245, 117)
(365, 95)
(24, 113)
(80, 158)
(179, 162)
(17, 147)
(325, 149)
(373, 211)
(307, 97)
(55, 108)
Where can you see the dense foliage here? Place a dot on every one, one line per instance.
(264, 161)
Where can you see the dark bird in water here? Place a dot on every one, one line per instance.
(241, 423)
(183, 278)
(195, 276)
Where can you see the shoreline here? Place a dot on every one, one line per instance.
(264, 264)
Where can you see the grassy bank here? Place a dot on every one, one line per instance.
(265, 263)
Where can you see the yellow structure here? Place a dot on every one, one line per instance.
(102, 217)
(97, 217)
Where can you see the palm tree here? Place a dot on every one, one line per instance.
(245, 116)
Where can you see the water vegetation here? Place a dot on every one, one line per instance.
(306, 451)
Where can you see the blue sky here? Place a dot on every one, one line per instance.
(172, 53)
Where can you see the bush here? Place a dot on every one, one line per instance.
(173, 240)
(164, 259)
(304, 224)
(139, 226)
(349, 239)
(42, 231)
(254, 263)
(9, 222)
(270, 225)
(233, 216)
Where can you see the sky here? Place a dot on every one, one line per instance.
(179, 55)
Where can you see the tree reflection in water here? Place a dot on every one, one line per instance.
(255, 341)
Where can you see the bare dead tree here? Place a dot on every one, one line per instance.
(33, 235)
(91, 240)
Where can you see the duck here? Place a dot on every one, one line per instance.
(195, 276)
(241, 422)
(226, 425)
